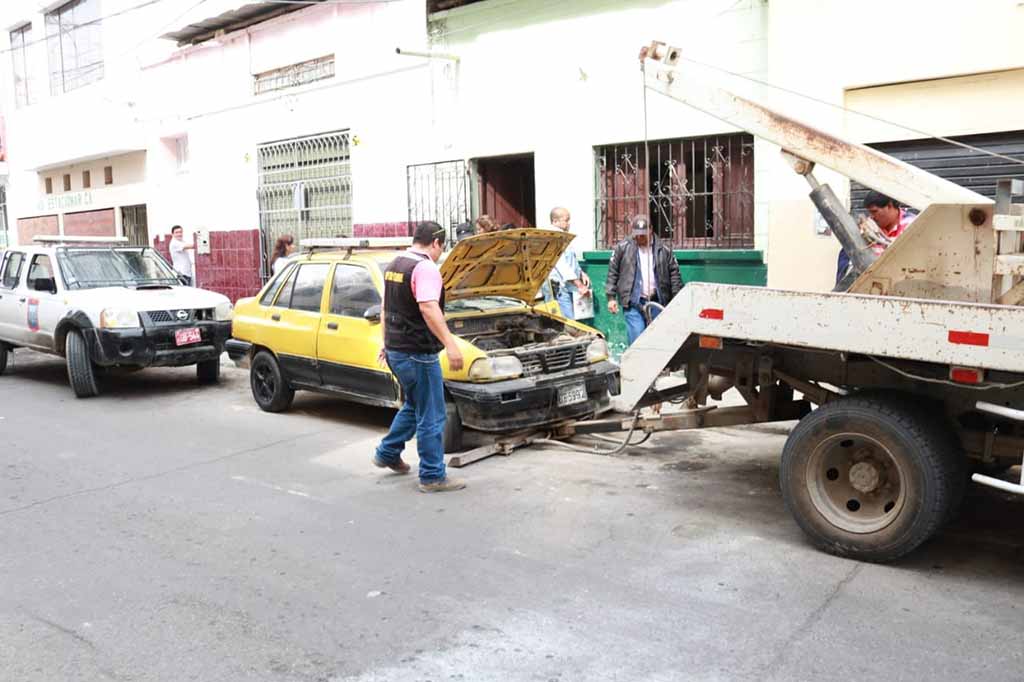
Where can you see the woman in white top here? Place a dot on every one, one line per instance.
(283, 250)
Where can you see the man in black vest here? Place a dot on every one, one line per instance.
(414, 333)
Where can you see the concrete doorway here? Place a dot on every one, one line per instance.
(507, 189)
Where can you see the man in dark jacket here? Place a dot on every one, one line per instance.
(643, 269)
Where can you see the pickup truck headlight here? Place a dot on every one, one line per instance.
(491, 369)
(223, 312)
(119, 318)
(597, 350)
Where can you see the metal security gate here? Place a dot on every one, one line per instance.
(305, 188)
(698, 193)
(968, 168)
(134, 225)
(438, 192)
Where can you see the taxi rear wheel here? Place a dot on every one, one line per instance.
(81, 372)
(270, 389)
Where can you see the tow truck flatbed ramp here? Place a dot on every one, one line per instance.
(945, 332)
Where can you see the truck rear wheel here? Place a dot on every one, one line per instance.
(869, 478)
(269, 386)
(81, 372)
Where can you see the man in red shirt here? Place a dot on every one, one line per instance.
(889, 218)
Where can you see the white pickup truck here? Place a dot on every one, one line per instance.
(100, 304)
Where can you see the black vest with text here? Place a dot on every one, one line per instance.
(404, 327)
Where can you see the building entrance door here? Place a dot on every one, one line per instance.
(508, 189)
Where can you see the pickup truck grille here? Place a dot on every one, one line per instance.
(171, 316)
(541, 360)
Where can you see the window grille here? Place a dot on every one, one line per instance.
(438, 192)
(294, 75)
(305, 188)
(698, 192)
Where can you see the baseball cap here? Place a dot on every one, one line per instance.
(640, 225)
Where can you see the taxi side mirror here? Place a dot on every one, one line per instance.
(372, 314)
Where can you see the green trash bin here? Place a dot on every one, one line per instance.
(733, 266)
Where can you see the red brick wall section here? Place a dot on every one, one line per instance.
(90, 224)
(30, 227)
(161, 243)
(233, 265)
(402, 229)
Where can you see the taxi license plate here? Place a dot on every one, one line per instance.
(183, 337)
(570, 395)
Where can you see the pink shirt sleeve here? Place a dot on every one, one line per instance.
(426, 282)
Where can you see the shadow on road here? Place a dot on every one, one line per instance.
(114, 382)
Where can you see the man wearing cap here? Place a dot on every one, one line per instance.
(642, 270)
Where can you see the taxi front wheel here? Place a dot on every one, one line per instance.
(270, 389)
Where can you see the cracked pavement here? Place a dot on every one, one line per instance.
(165, 531)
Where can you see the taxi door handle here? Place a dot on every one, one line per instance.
(332, 326)
(275, 317)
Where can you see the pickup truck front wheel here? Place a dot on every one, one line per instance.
(5, 354)
(869, 478)
(270, 389)
(81, 372)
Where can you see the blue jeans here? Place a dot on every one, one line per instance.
(422, 414)
(635, 322)
(565, 302)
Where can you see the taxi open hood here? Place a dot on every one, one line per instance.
(512, 263)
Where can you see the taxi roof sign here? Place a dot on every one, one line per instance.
(350, 243)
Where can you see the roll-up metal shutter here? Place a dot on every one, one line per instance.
(968, 168)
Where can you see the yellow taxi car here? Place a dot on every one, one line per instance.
(316, 326)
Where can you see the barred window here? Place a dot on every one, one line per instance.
(294, 75)
(698, 192)
(305, 188)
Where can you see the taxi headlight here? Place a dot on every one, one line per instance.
(223, 312)
(119, 318)
(491, 369)
(597, 350)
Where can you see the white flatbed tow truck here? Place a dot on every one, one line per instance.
(909, 377)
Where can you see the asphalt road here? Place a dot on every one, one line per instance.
(165, 531)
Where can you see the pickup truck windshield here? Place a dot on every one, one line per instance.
(93, 268)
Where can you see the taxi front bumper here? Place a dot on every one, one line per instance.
(532, 402)
(156, 346)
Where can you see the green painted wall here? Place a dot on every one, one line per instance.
(720, 266)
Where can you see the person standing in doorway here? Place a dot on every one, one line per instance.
(567, 278)
(415, 332)
(642, 270)
(180, 259)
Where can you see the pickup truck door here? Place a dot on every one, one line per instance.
(44, 304)
(13, 325)
(349, 342)
(294, 320)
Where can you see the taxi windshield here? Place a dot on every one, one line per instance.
(125, 267)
